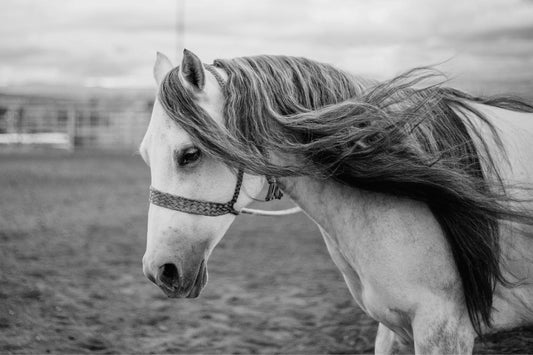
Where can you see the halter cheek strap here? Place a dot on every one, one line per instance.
(274, 191)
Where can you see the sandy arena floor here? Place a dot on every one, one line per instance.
(72, 234)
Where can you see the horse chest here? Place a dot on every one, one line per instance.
(373, 299)
(351, 277)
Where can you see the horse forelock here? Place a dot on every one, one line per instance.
(180, 105)
(401, 137)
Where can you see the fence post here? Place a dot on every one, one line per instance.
(71, 128)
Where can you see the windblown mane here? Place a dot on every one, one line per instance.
(396, 137)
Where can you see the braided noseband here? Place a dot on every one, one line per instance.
(206, 208)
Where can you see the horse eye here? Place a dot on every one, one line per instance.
(189, 156)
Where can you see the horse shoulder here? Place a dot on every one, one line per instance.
(391, 251)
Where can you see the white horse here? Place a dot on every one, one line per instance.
(391, 249)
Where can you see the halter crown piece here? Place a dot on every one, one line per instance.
(207, 208)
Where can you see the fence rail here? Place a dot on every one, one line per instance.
(72, 126)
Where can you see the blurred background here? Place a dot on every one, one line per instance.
(76, 92)
(84, 67)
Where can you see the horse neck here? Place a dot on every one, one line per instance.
(347, 212)
(329, 203)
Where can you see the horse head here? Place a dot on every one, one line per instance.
(180, 240)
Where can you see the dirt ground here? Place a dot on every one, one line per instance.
(72, 234)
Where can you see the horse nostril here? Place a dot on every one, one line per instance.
(168, 274)
(150, 277)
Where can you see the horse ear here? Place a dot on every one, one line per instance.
(161, 67)
(192, 71)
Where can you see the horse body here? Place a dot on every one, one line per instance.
(394, 258)
(391, 250)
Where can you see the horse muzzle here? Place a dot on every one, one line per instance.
(178, 283)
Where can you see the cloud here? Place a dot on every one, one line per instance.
(113, 42)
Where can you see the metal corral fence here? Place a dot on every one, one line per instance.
(71, 124)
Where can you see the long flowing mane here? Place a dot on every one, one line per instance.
(399, 137)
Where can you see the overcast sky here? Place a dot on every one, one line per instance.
(484, 43)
